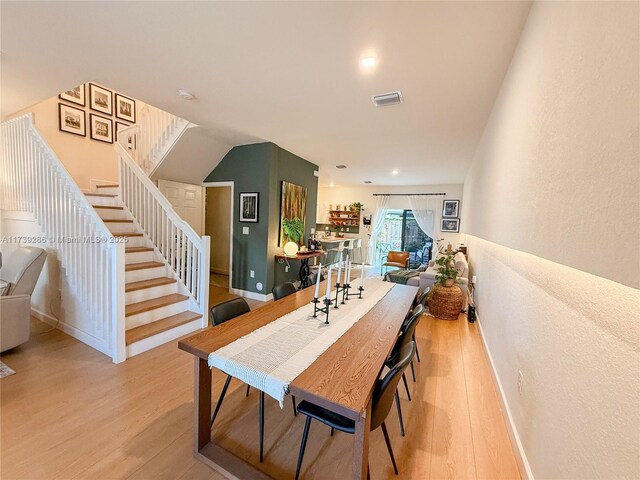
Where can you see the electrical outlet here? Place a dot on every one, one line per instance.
(245, 230)
(252, 274)
(520, 381)
(347, 229)
(59, 294)
(286, 269)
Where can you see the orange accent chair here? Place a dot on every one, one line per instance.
(396, 259)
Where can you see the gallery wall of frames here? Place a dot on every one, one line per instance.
(105, 111)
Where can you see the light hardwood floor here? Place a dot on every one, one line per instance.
(70, 413)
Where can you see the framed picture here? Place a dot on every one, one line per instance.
(125, 108)
(101, 128)
(450, 225)
(75, 95)
(71, 120)
(249, 207)
(100, 99)
(293, 211)
(451, 208)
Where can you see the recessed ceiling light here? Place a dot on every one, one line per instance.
(368, 62)
(186, 95)
(341, 166)
(394, 172)
(332, 184)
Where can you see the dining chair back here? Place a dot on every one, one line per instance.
(385, 389)
(226, 311)
(334, 255)
(407, 329)
(283, 290)
(383, 396)
(422, 298)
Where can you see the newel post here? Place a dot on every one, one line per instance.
(204, 278)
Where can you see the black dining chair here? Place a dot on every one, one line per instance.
(220, 314)
(406, 336)
(283, 290)
(381, 401)
(420, 300)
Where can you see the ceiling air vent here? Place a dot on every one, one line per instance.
(341, 166)
(368, 181)
(385, 99)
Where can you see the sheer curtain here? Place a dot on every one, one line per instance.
(426, 210)
(377, 220)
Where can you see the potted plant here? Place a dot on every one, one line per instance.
(293, 229)
(445, 298)
(447, 273)
(356, 207)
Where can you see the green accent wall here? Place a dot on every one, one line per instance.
(261, 168)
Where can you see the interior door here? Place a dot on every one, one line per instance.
(187, 200)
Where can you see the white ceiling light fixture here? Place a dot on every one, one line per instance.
(368, 62)
(386, 99)
(332, 184)
(186, 95)
(394, 172)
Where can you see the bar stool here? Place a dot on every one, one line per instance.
(335, 254)
(357, 251)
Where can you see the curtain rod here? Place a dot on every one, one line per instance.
(404, 194)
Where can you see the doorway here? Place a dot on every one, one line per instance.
(400, 232)
(219, 226)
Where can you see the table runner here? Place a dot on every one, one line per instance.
(271, 357)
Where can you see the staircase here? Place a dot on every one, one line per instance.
(155, 301)
(124, 297)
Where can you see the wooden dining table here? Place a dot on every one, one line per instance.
(342, 379)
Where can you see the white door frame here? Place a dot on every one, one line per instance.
(231, 218)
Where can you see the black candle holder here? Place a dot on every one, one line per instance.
(345, 292)
(326, 309)
(358, 293)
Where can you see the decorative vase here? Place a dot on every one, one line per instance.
(445, 302)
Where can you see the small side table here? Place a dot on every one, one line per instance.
(303, 258)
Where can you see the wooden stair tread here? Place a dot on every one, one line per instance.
(91, 194)
(113, 185)
(138, 249)
(128, 234)
(153, 282)
(144, 331)
(130, 267)
(109, 207)
(146, 305)
(115, 220)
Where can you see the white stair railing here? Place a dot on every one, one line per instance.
(33, 179)
(158, 133)
(185, 252)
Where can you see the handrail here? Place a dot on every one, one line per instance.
(158, 132)
(186, 253)
(33, 179)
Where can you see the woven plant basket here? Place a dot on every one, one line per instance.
(445, 302)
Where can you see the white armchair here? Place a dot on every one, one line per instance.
(20, 271)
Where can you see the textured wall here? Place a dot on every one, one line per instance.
(557, 171)
(556, 175)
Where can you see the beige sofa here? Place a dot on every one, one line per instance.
(20, 271)
(428, 277)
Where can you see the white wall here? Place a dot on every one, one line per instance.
(45, 300)
(350, 194)
(84, 159)
(551, 208)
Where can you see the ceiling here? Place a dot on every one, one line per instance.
(285, 72)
